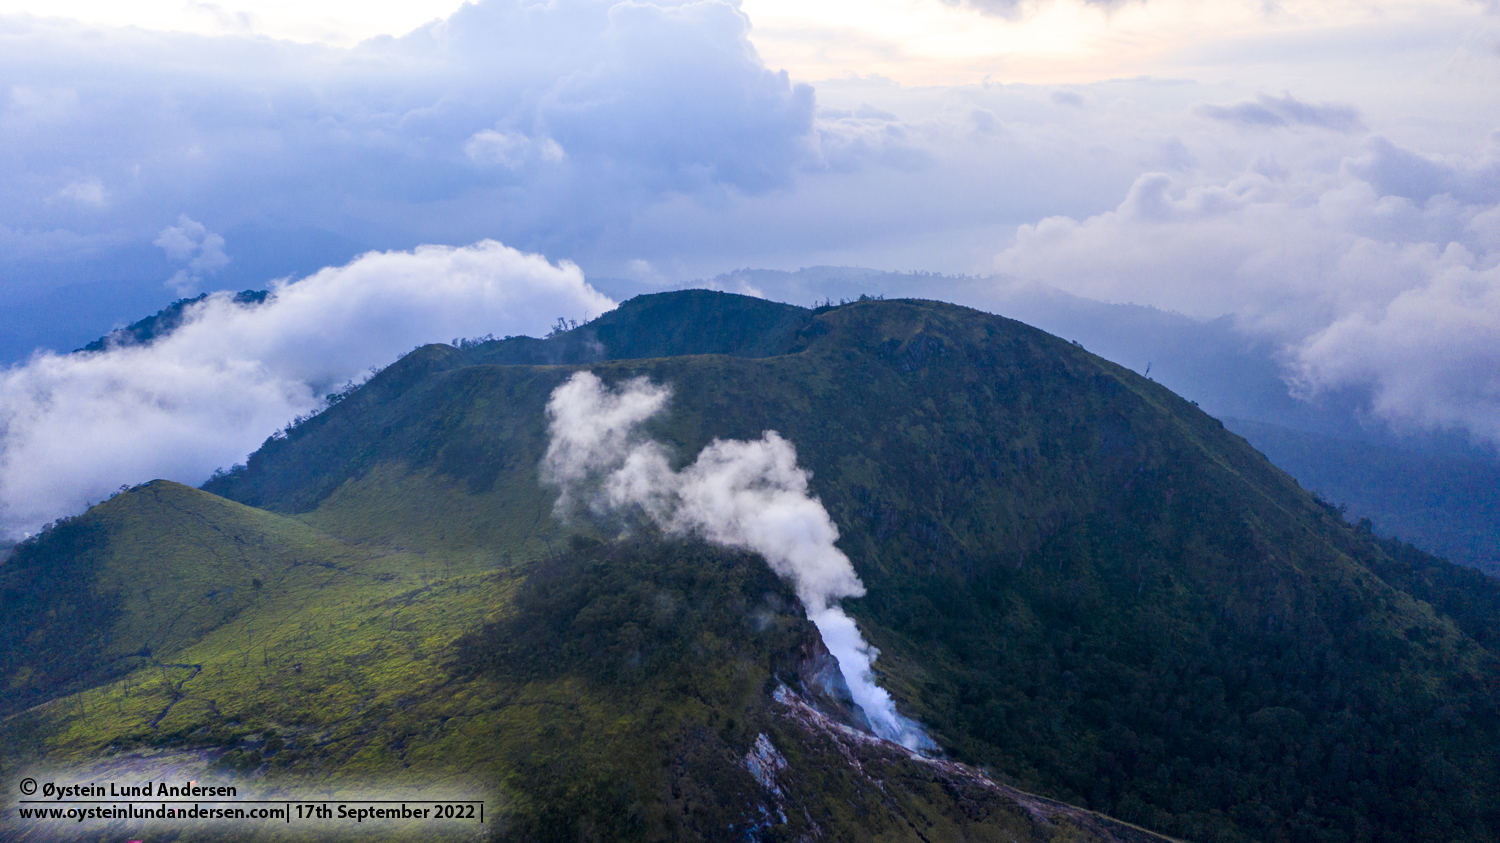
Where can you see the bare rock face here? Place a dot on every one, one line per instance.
(933, 798)
(822, 683)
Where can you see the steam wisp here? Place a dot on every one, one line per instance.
(749, 495)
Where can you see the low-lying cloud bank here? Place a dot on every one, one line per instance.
(75, 427)
(749, 495)
(1383, 275)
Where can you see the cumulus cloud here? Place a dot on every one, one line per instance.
(749, 495)
(1431, 354)
(680, 95)
(75, 427)
(541, 124)
(1378, 275)
(189, 242)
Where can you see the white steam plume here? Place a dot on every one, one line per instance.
(749, 495)
(75, 427)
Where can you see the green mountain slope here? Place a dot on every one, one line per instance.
(1075, 576)
(1447, 504)
(612, 692)
(1077, 580)
(141, 577)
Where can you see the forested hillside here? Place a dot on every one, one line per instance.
(1076, 577)
(1078, 582)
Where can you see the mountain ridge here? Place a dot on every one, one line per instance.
(1076, 579)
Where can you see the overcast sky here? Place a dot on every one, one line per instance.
(1325, 173)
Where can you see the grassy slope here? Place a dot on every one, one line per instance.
(612, 693)
(149, 573)
(181, 565)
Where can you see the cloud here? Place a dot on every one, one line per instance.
(224, 19)
(1017, 9)
(680, 89)
(87, 192)
(1431, 354)
(75, 427)
(932, 179)
(1380, 275)
(596, 130)
(603, 131)
(749, 495)
(1394, 171)
(1284, 112)
(190, 242)
(649, 140)
(512, 149)
(542, 124)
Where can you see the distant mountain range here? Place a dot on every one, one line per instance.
(1113, 616)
